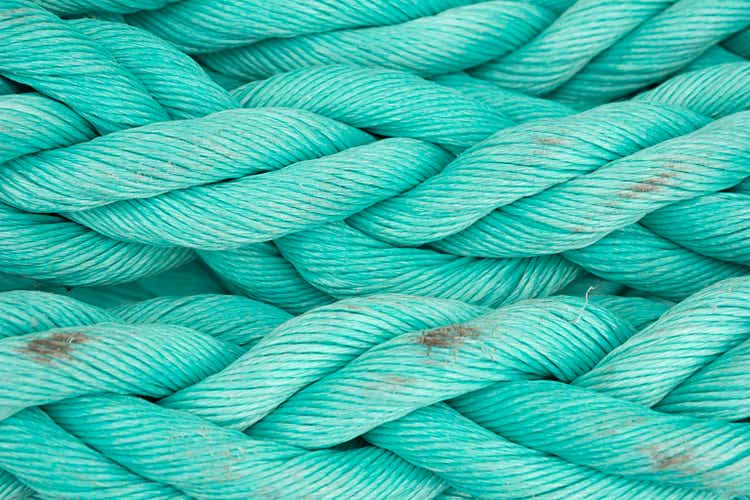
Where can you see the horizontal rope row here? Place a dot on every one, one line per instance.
(382, 368)
(478, 249)
(190, 209)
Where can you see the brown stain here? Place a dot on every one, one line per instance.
(58, 345)
(351, 307)
(649, 185)
(447, 336)
(645, 187)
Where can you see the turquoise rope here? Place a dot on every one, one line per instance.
(36, 124)
(277, 204)
(600, 51)
(247, 133)
(107, 476)
(261, 271)
(171, 264)
(383, 102)
(200, 26)
(121, 100)
(397, 476)
(530, 473)
(683, 91)
(243, 321)
(373, 266)
(579, 338)
(517, 106)
(470, 36)
(305, 267)
(586, 36)
(455, 176)
(192, 278)
(301, 265)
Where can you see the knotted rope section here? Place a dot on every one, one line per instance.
(250, 402)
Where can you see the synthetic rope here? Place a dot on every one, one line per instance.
(379, 367)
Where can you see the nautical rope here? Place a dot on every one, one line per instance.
(379, 367)
(478, 249)
(192, 210)
(589, 43)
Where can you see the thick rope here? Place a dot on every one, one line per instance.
(544, 290)
(682, 273)
(600, 50)
(32, 182)
(101, 280)
(381, 380)
(113, 222)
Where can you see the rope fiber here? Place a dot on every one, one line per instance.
(416, 249)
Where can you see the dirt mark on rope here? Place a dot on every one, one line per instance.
(56, 346)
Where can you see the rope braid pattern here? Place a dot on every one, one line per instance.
(381, 367)
(510, 43)
(394, 191)
(44, 266)
(506, 238)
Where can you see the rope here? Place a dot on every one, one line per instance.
(512, 235)
(146, 223)
(130, 212)
(320, 255)
(510, 43)
(377, 367)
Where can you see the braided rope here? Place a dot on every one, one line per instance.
(99, 475)
(506, 240)
(510, 43)
(26, 169)
(32, 182)
(377, 367)
(600, 50)
(127, 220)
(397, 219)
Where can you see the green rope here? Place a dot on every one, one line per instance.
(196, 195)
(514, 234)
(377, 367)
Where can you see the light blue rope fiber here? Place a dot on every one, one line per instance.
(398, 334)
(100, 476)
(126, 220)
(480, 249)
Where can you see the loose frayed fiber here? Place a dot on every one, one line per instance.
(374, 249)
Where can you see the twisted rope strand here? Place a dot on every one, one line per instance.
(297, 281)
(599, 51)
(461, 156)
(126, 221)
(398, 476)
(28, 34)
(575, 339)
